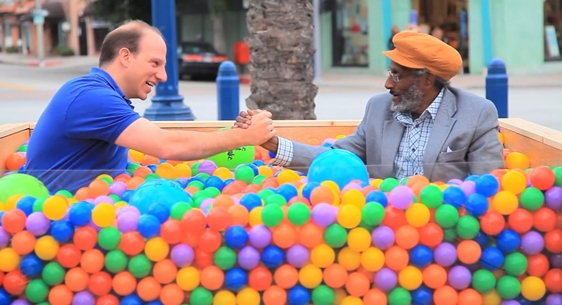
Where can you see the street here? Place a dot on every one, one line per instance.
(25, 91)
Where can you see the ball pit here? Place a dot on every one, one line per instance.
(171, 232)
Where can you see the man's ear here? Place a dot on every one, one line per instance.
(124, 57)
(429, 80)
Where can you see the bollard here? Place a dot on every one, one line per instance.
(497, 86)
(228, 91)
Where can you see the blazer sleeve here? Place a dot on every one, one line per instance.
(303, 154)
(485, 153)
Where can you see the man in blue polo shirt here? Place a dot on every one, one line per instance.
(89, 125)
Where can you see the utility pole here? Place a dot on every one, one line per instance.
(39, 20)
(317, 41)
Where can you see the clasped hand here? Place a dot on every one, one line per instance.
(258, 121)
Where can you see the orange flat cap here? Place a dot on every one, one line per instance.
(417, 51)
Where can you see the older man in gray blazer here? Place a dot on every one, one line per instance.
(423, 127)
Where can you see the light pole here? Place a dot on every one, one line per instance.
(167, 104)
(39, 20)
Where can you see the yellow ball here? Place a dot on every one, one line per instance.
(322, 255)
(2, 207)
(353, 196)
(166, 170)
(310, 276)
(255, 216)
(183, 170)
(9, 260)
(103, 215)
(224, 297)
(372, 259)
(417, 215)
(351, 300)
(340, 295)
(491, 298)
(376, 182)
(359, 239)
(410, 278)
(349, 259)
(514, 181)
(120, 204)
(533, 288)
(287, 175)
(156, 249)
(505, 202)
(265, 170)
(12, 201)
(340, 136)
(136, 155)
(55, 207)
(46, 248)
(248, 296)
(188, 278)
(349, 216)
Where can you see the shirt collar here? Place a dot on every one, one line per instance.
(111, 82)
(431, 110)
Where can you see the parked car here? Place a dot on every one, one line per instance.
(198, 59)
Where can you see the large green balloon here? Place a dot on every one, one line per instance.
(232, 158)
(21, 184)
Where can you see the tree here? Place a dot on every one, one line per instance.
(117, 11)
(217, 10)
(281, 44)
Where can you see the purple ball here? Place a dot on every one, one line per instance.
(117, 188)
(298, 255)
(459, 277)
(324, 214)
(455, 181)
(401, 197)
(22, 302)
(532, 243)
(554, 299)
(182, 255)
(383, 237)
(207, 166)
(83, 298)
(4, 238)
(103, 199)
(259, 236)
(206, 204)
(127, 222)
(553, 198)
(556, 260)
(37, 224)
(510, 302)
(468, 187)
(248, 258)
(445, 254)
(385, 279)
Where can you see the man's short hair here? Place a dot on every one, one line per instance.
(127, 36)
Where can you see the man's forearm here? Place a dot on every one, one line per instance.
(193, 145)
(271, 145)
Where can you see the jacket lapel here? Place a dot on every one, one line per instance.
(442, 126)
(392, 135)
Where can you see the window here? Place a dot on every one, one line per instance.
(552, 29)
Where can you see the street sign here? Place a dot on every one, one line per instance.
(38, 19)
(41, 12)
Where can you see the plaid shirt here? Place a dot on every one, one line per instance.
(409, 160)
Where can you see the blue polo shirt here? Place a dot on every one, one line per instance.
(74, 139)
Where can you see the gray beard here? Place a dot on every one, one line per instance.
(409, 100)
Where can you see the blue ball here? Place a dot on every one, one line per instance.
(31, 265)
(235, 279)
(1, 215)
(152, 167)
(214, 181)
(80, 214)
(131, 299)
(26, 204)
(254, 168)
(127, 195)
(272, 256)
(421, 256)
(338, 165)
(62, 230)
(271, 154)
(288, 191)
(149, 226)
(5, 298)
(22, 169)
(472, 178)
(250, 201)
(476, 205)
(236, 237)
(482, 239)
(377, 196)
(163, 191)
(422, 296)
(454, 196)
(508, 241)
(492, 258)
(160, 211)
(258, 163)
(154, 303)
(308, 188)
(487, 185)
(298, 295)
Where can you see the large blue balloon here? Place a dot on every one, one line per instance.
(158, 191)
(338, 165)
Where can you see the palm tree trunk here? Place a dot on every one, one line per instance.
(281, 45)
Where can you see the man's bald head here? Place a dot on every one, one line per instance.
(127, 36)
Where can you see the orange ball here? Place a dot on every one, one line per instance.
(468, 251)
(284, 235)
(15, 282)
(396, 258)
(544, 219)
(470, 297)
(239, 215)
(553, 280)
(85, 238)
(76, 279)
(13, 221)
(148, 289)
(310, 235)
(537, 265)
(98, 188)
(542, 177)
(23, 242)
(107, 299)
(194, 221)
(434, 276)
(335, 276)
(375, 296)
(275, 295)
(394, 218)
(124, 283)
(260, 278)
(203, 259)
(60, 295)
(431, 235)
(100, 283)
(69, 256)
(212, 277)
(15, 161)
(407, 237)
(357, 284)
(132, 243)
(171, 231)
(172, 294)
(165, 271)
(492, 223)
(553, 241)
(210, 240)
(286, 276)
(520, 221)
(218, 218)
(321, 194)
(92, 261)
(445, 295)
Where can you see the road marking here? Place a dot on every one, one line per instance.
(16, 87)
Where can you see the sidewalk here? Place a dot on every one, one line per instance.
(48, 62)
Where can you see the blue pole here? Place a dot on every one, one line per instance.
(486, 32)
(497, 86)
(167, 104)
(228, 91)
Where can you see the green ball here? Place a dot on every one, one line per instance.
(298, 214)
(515, 264)
(203, 176)
(531, 199)
(244, 173)
(23, 148)
(139, 266)
(272, 215)
(38, 204)
(64, 193)
(335, 236)
(258, 180)
(372, 213)
(277, 199)
(446, 216)
(151, 176)
(115, 261)
(264, 194)
(212, 191)
(508, 287)
(558, 174)
(109, 238)
(200, 296)
(132, 167)
(450, 235)
(399, 296)
(196, 183)
(225, 258)
(432, 196)
(53, 274)
(483, 281)
(178, 209)
(468, 227)
(36, 291)
(323, 295)
(388, 184)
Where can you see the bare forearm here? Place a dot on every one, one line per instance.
(271, 145)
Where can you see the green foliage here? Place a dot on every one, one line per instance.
(64, 50)
(117, 11)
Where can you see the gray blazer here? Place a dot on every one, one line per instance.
(464, 139)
